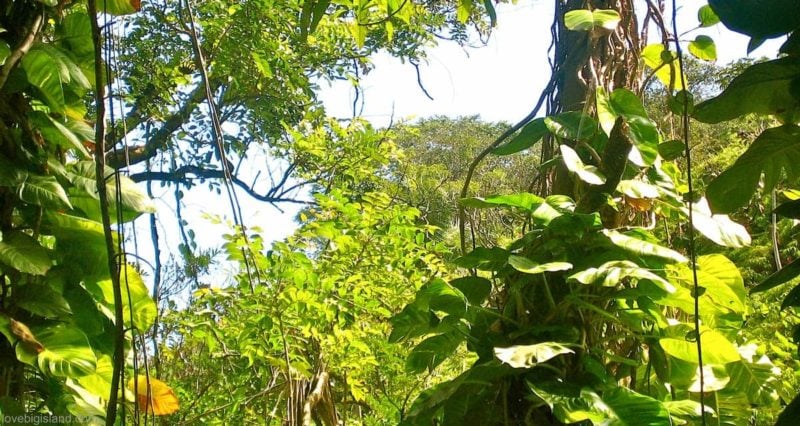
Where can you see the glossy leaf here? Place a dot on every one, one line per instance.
(527, 356)
(43, 191)
(586, 172)
(475, 289)
(527, 266)
(431, 352)
(24, 253)
(643, 248)
(66, 353)
(763, 88)
(703, 48)
(137, 304)
(43, 72)
(611, 273)
(756, 18)
(41, 299)
(664, 64)
(782, 276)
(718, 228)
(707, 17)
(716, 348)
(586, 20)
(527, 137)
(776, 149)
(572, 125)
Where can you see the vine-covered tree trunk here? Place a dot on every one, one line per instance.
(585, 61)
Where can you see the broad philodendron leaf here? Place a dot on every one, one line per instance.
(432, 351)
(438, 295)
(667, 71)
(686, 408)
(784, 275)
(641, 247)
(718, 228)
(40, 299)
(523, 200)
(527, 356)
(24, 253)
(790, 209)
(572, 125)
(757, 18)
(638, 189)
(764, 88)
(703, 48)
(716, 348)
(66, 353)
(137, 304)
(671, 150)
(587, 173)
(611, 273)
(527, 137)
(475, 289)
(758, 379)
(588, 20)
(775, 150)
(43, 72)
(134, 200)
(617, 405)
(44, 191)
(527, 266)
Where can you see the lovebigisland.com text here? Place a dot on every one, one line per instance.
(43, 419)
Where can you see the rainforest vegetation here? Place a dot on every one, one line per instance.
(626, 254)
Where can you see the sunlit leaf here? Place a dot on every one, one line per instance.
(527, 356)
(154, 396)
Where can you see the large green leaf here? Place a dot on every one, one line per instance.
(527, 137)
(703, 48)
(764, 88)
(611, 273)
(758, 379)
(136, 302)
(776, 149)
(523, 200)
(664, 64)
(782, 276)
(707, 17)
(23, 253)
(134, 200)
(716, 348)
(758, 18)
(642, 247)
(439, 295)
(527, 356)
(43, 72)
(572, 125)
(617, 406)
(528, 266)
(586, 172)
(40, 299)
(44, 191)
(66, 353)
(588, 20)
(475, 289)
(718, 228)
(57, 133)
(432, 351)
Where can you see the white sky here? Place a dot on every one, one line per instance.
(499, 82)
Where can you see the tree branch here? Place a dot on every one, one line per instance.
(186, 174)
(160, 138)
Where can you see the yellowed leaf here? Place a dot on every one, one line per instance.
(162, 399)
